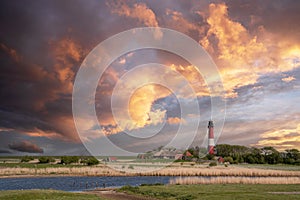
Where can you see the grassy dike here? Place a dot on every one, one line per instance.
(45, 195)
(216, 191)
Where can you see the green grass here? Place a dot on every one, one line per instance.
(215, 191)
(45, 194)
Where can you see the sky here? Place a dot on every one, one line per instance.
(254, 44)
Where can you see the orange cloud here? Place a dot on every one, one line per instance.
(66, 53)
(40, 133)
(138, 11)
(241, 56)
(11, 52)
(140, 111)
(181, 24)
(288, 79)
(141, 102)
(236, 49)
(175, 120)
(194, 78)
(281, 139)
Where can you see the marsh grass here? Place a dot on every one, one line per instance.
(224, 171)
(102, 170)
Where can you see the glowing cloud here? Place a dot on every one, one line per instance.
(138, 11)
(236, 50)
(288, 79)
(175, 120)
(281, 139)
(141, 102)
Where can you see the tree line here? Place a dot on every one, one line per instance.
(65, 160)
(235, 154)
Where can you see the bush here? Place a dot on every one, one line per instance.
(129, 188)
(130, 167)
(210, 157)
(69, 159)
(212, 164)
(228, 159)
(27, 158)
(89, 160)
(92, 161)
(45, 159)
(151, 184)
(186, 197)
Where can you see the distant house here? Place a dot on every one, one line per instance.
(178, 156)
(167, 154)
(110, 159)
(220, 160)
(187, 156)
(144, 156)
(141, 156)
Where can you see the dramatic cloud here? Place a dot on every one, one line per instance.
(255, 45)
(138, 11)
(281, 139)
(243, 56)
(3, 151)
(235, 48)
(26, 146)
(175, 120)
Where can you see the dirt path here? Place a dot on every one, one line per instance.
(112, 194)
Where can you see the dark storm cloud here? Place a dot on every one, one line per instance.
(14, 120)
(51, 146)
(32, 95)
(26, 146)
(4, 151)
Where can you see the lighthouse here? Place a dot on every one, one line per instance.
(211, 140)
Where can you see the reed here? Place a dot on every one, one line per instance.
(235, 180)
(169, 171)
(221, 171)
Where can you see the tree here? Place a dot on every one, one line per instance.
(210, 157)
(271, 155)
(250, 159)
(69, 159)
(291, 156)
(27, 158)
(228, 159)
(90, 161)
(44, 159)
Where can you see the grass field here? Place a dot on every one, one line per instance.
(217, 191)
(46, 194)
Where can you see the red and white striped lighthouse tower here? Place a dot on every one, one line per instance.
(211, 140)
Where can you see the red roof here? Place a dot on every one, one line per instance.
(220, 160)
(188, 154)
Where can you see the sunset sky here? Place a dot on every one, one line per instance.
(254, 44)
